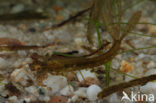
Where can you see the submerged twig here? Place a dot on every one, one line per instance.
(78, 14)
(112, 89)
(95, 15)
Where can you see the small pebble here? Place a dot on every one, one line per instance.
(17, 8)
(67, 91)
(13, 99)
(3, 91)
(46, 98)
(3, 63)
(81, 92)
(55, 82)
(126, 66)
(115, 63)
(78, 41)
(20, 76)
(152, 29)
(32, 90)
(26, 99)
(150, 72)
(89, 81)
(22, 53)
(58, 99)
(151, 64)
(114, 98)
(73, 99)
(85, 73)
(150, 88)
(92, 92)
